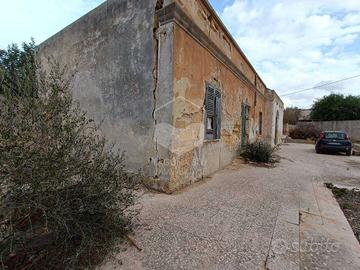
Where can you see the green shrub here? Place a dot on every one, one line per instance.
(259, 151)
(65, 196)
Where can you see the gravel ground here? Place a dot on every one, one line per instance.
(247, 217)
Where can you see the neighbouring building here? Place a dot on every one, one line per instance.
(169, 84)
(305, 115)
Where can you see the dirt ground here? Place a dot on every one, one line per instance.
(349, 201)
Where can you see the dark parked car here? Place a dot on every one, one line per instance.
(334, 141)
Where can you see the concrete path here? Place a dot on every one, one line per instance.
(248, 217)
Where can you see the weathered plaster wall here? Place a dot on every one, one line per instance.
(141, 67)
(269, 133)
(201, 57)
(112, 54)
(194, 65)
(201, 12)
(162, 114)
(280, 130)
(273, 105)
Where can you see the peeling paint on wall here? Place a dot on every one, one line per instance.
(141, 69)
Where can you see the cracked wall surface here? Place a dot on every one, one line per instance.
(140, 68)
(112, 54)
(195, 65)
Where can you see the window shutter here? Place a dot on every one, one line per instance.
(213, 113)
(209, 106)
(218, 116)
(260, 123)
(210, 112)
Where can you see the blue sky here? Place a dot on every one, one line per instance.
(293, 44)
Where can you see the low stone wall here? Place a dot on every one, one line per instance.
(352, 128)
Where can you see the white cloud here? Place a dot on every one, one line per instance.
(22, 19)
(293, 44)
(297, 44)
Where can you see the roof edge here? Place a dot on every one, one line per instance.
(275, 94)
(227, 32)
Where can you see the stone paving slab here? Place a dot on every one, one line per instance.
(332, 244)
(249, 217)
(282, 254)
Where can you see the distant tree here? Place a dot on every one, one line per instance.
(336, 107)
(18, 69)
(291, 115)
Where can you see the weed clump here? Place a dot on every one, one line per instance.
(259, 151)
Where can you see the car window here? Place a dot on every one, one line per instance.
(335, 136)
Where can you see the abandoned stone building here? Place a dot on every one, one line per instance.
(169, 84)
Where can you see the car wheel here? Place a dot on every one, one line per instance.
(348, 152)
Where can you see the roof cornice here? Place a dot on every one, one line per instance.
(174, 13)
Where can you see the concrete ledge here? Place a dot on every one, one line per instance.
(356, 149)
(327, 235)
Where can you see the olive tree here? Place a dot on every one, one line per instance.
(65, 195)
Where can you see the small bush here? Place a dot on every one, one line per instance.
(259, 151)
(305, 132)
(64, 194)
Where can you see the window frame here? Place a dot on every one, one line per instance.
(261, 123)
(213, 108)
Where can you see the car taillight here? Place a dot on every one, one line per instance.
(322, 135)
(348, 137)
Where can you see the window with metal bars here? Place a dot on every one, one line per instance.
(213, 113)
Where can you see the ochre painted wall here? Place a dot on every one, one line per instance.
(205, 18)
(193, 67)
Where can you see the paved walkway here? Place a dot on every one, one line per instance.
(248, 217)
